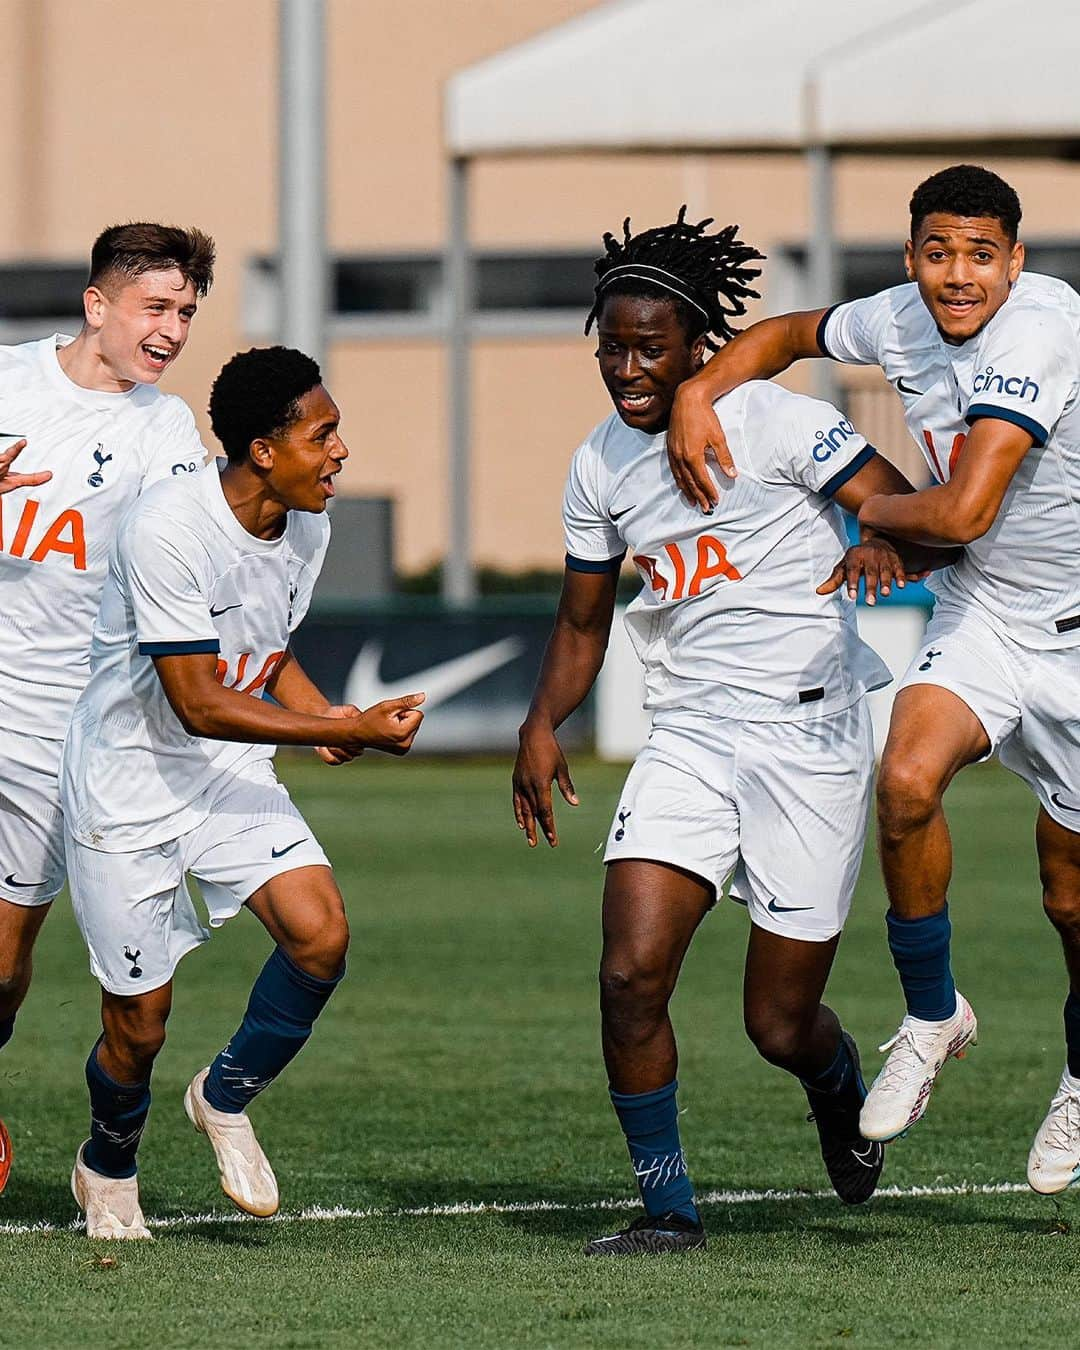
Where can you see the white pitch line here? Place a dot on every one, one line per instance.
(322, 1214)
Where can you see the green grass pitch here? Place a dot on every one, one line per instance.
(458, 1065)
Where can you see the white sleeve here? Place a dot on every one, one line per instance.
(854, 332)
(177, 446)
(1028, 371)
(814, 444)
(170, 595)
(593, 543)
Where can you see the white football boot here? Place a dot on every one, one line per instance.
(111, 1204)
(246, 1176)
(900, 1093)
(1054, 1160)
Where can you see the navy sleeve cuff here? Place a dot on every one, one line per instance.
(821, 331)
(837, 481)
(1035, 430)
(179, 648)
(594, 564)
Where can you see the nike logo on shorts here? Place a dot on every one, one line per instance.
(1064, 805)
(280, 852)
(907, 389)
(9, 880)
(618, 515)
(774, 908)
(224, 609)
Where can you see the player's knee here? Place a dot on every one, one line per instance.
(322, 949)
(776, 1035)
(14, 982)
(908, 794)
(633, 989)
(135, 1042)
(1061, 904)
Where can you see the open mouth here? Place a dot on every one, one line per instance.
(634, 403)
(156, 356)
(326, 482)
(958, 307)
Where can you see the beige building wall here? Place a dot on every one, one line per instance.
(118, 110)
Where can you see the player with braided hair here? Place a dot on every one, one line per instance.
(760, 757)
(701, 270)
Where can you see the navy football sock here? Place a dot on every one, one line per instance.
(920, 952)
(650, 1121)
(1072, 1033)
(118, 1114)
(837, 1077)
(283, 1006)
(7, 1026)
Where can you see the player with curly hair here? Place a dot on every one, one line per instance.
(166, 772)
(760, 758)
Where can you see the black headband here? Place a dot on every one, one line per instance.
(657, 276)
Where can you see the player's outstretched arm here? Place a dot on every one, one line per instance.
(207, 708)
(879, 560)
(10, 480)
(964, 508)
(572, 661)
(762, 351)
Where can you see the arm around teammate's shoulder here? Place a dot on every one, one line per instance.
(762, 351)
(963, 509)
(571, 663)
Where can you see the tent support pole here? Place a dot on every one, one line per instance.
(459, 580)
(821, 257)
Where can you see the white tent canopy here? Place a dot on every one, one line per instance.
(655, 74)
(778, 75)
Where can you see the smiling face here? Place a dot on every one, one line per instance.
(301, 461)
(644, 355)
(140, 324)
(964, 267)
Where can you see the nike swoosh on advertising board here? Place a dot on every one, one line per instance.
(440, 682)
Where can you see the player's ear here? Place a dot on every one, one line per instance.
(909, 260)
(262, 453)
(697, 352)
(1016, 262)
(94, 305)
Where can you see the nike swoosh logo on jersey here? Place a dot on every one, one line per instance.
(1064, 805)
(618, 515)
(440, 682)
(9, 880)
(215, 612)
(280, 852)
(907, 389)
(774, 908)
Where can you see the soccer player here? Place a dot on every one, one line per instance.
(90, 432)
(986, 359)
(166, 771)
(760, 755)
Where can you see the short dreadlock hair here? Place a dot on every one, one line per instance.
(967, 190)
(704, 275)
(257, 394)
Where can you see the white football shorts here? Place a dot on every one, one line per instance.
(1027, 700)
(780, 807)
(31, 821)
(134, 909)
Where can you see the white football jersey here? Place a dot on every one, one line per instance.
(1023, 367)
(103, 449)
(184, 576)
(728, 621)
